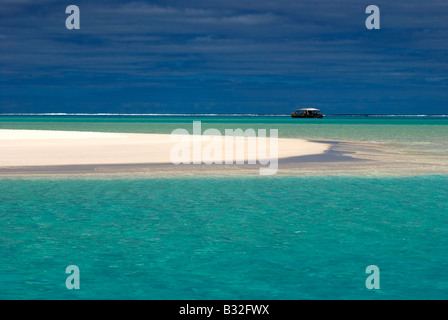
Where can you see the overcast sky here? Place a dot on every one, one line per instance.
(224, 56)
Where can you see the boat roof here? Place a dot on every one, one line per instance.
(308, 109)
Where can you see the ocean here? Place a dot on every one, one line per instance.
(424, 133)
(289, 237)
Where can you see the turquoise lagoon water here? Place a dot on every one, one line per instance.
(427, 134)
(229, 238)
(222, 238)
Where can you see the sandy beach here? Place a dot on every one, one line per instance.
(46, 152)
(30, 148)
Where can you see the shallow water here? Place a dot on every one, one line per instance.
(230, 238)
(225, 238)
(427, 134)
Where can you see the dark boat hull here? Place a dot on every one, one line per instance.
(293, 115)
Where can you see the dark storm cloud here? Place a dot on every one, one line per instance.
(244, 55)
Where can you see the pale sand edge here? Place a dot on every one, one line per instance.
(24, 148)
(335, 157)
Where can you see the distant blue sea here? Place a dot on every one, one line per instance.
(299, 237)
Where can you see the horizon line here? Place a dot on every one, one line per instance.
(211, 114)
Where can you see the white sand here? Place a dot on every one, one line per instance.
(48, 148)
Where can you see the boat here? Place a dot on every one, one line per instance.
(307, 113)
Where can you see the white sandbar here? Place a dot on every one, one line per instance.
(49, 148)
